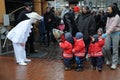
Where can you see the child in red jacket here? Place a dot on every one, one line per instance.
(67, 45)
(79, 51)
(95, 51)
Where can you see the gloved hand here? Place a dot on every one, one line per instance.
(104, 35)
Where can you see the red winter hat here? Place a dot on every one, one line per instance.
(76, 9)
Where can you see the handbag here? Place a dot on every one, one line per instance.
(61, 27)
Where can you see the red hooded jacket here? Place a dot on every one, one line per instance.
(67, 49)
(95, 49)
(79, 48)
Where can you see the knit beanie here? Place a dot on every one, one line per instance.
(68, 35)
(76, 9)
(79, 35)
(69, 38)
(100, 31)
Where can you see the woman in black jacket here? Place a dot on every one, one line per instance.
(49, 20)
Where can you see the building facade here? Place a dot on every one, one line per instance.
(11, 6)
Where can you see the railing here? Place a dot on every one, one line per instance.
(8, 46)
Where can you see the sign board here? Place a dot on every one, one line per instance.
(6, 20)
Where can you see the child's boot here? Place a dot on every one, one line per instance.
(99, 69)
(67, 68)
(79, 68)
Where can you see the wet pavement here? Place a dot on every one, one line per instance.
(50, 67)
(42, 69)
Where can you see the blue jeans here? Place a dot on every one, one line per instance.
(79, 61)
(97, 61)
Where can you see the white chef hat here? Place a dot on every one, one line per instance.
(34, 15)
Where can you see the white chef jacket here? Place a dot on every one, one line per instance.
(20, 32)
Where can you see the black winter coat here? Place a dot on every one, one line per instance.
(49, 20)
(86, 24)
(22, 16)
(69, 22)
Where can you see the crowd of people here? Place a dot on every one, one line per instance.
(87, 33)
(88, 27)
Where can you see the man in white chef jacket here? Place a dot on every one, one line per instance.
(19, 35)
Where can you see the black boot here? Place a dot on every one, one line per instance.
(79, 68)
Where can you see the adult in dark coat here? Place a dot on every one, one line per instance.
(49, 20)
(42, 31)
(116, 5)
(22, 16)
(69, 22)
(28, 9)
(86, 24)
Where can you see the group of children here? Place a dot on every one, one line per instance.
(74, 50)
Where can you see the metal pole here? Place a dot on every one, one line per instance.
(96, 4)
(4, 42)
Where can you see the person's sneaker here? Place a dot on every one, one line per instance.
(22, 64)
(113, 67)
(93, 68)
(107, 63)
(99, 69)
(67, 68)
(27, 60)
(79, 69)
